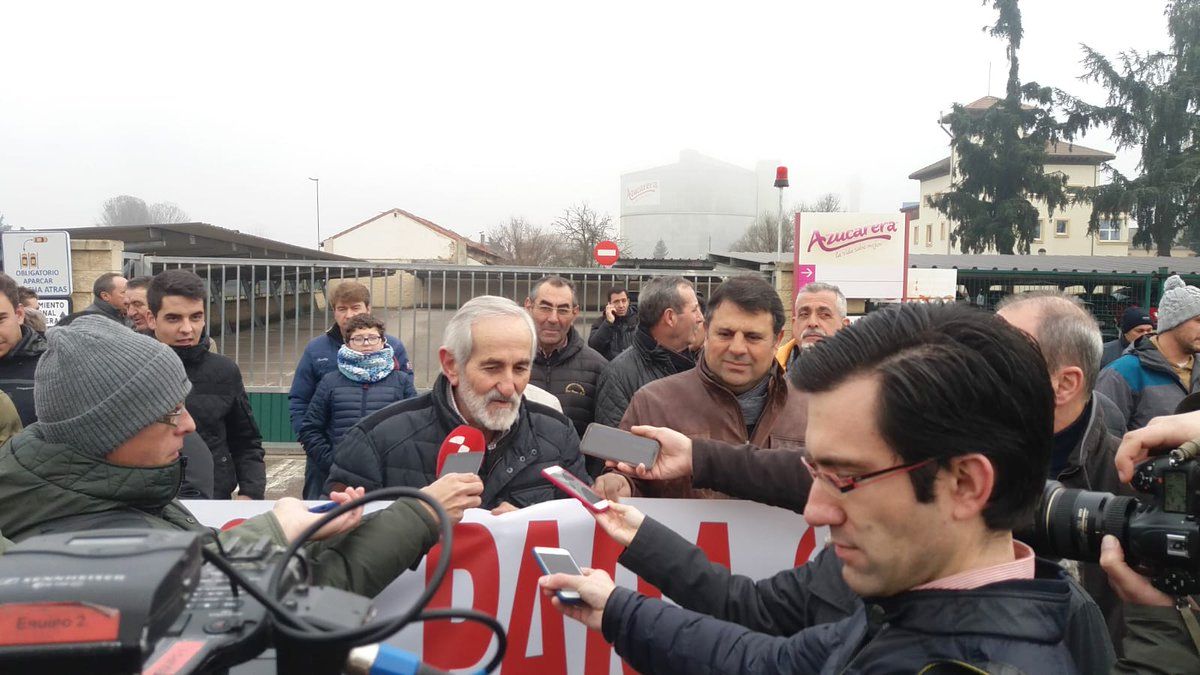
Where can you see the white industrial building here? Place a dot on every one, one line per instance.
(697, 205)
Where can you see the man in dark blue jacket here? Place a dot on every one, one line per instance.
(348, 299)
(948, 396)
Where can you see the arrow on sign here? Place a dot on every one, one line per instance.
(808, 272)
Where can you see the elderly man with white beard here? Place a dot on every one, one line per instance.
(486, 355)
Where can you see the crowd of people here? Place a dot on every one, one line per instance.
(921, 436)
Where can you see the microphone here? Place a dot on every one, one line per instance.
(462, 439)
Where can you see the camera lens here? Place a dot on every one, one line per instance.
(1070, 523)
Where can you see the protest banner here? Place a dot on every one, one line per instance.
(493, 572)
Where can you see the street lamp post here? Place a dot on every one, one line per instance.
(317, 183)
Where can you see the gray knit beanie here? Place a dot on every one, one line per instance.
(99, 383)
(1179, 303)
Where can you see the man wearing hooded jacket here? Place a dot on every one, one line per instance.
(218, 400)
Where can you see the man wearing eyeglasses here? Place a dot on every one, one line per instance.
(105, 453)
(920, 475)
(564, 365)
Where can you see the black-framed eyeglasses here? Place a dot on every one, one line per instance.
(365, 340)
(171, 419)
(844, 484)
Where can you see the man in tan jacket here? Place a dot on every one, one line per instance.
(736, 394)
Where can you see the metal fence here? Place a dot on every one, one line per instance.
(262, 313)
(1105, 295)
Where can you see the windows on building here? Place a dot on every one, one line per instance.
(1060, 228)
(1040, 232)
(929, 234)
(943, 231)
(1110, 230)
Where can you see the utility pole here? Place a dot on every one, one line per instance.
(317, 183)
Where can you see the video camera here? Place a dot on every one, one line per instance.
(161, 601)
(1160, 533)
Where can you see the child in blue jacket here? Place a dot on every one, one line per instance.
(368, 378)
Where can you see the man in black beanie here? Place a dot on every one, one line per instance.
(1135, 323)
(105, 453)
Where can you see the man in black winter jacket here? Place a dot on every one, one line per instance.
(218, 400)
(669, 318)
(563, 364)
(613, 331)
(20, 349)
(931, 552)
(485, 355)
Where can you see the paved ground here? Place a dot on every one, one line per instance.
(285, 470)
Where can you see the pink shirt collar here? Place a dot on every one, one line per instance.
(1021, 567)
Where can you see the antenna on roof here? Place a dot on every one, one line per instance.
(989, 87)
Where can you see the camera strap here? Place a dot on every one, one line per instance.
(1187, 609)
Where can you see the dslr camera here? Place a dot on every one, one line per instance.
(1159, 532)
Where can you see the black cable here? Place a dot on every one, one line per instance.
(230, 571)
(477, 617)
(298, 629)
(367, 634)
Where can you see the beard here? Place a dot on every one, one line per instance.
(477, 407)
(811, 332)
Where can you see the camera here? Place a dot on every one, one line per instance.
(1159, 533)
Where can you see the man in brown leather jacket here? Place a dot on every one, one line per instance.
(736, 394)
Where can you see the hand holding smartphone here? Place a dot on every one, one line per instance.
(567, 482)
(617, 445)
(558, 561)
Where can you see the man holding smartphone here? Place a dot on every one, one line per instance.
(922, 496)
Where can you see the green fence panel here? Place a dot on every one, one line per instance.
(271, 414)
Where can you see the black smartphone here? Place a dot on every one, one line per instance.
(619, 446)
(462, 462)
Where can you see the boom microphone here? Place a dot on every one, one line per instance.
(462, 439)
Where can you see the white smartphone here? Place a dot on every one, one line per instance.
(558, 561)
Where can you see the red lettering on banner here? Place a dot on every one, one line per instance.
(597, 652)
(553, 658)
(808, 544)
(448, 644)
(713, 539)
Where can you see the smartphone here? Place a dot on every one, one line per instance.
(570, 484)
(619, 446)
(462, 462)
(558, 561)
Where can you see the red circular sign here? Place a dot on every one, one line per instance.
(606, 253)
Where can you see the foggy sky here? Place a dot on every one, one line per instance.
(468, 113)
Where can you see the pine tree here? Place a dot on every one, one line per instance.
(1152, 103)
(1000, 156)
(660, 250)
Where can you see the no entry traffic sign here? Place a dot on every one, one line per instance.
(606, 253)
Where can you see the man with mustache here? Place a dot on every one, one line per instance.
(818, 313)
(486, 355)
(737, 393)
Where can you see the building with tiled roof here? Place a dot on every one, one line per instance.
(399, 236)
(1063, 233)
